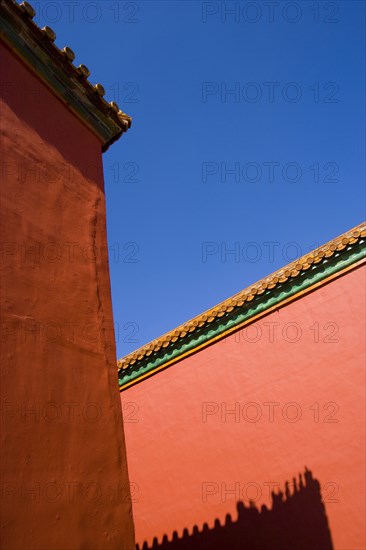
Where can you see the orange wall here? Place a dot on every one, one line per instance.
(179, 437)
(64, 472)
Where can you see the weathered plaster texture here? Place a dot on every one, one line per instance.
(65, 482)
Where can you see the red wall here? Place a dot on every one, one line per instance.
(64, 472)
(312, 367)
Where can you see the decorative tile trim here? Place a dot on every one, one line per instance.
(298, 276)
(36, 48)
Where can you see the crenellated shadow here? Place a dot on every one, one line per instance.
(296, 521)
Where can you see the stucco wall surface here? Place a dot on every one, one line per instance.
(242, 416)
(64, 470)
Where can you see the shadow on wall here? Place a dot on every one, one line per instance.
(296, 521)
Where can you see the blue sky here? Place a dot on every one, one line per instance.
(247, 147)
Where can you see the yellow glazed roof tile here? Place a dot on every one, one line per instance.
(294, 269)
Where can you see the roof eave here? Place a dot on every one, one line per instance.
(36, 49)
(286, 284)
